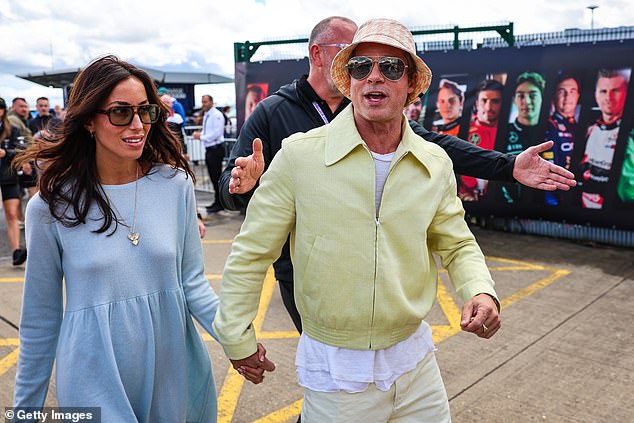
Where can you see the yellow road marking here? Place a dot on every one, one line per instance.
(278, 335)
(217, 241)
(531, 289)
(229, 395)
(451, 311)
(283, 414)
(212, 276)
(9, 361)
(9, 280)
(9, 342)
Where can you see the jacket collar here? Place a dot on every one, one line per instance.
(342, 138)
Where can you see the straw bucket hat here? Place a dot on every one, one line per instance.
(381, 31)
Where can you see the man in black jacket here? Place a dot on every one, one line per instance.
(313, 101)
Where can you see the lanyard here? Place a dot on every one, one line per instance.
(321, 112)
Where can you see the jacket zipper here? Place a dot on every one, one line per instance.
(376, 248)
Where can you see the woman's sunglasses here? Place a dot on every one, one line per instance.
(392, 68)
(123, 115)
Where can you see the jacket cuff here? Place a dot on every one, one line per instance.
(479, 287)
(243, 348)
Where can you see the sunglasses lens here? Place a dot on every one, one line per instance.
(121, 116)
(359, 67)
(148, 113)
(392, 68)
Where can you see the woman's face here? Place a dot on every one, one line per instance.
(116, 144)
(449, 105)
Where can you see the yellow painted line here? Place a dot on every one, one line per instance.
(213, 276)
(229, 395)
(531, 289)
(283, 414)
(9, 342)
(517, 262)
(265, 300)
(9, 361)
(509, 268)
(450, 310)
(9, 280)
(217, 241)
(278, 335)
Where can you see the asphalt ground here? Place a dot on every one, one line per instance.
(565, 352)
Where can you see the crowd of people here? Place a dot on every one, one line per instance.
(114, 227)
(18, 130)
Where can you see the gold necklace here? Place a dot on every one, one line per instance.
(133, 235)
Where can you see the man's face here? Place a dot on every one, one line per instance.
(610, 95)
(252, 100)
(377, 99)
(341, 33)
(528, 99)
(413, 111)
(488, 106)
(167, 100)
(207, 103)
(43, 108)
(21, 108)
(449, 105)
(567, 97)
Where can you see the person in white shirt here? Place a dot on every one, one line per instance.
(213, 138)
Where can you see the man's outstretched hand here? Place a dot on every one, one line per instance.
(247, 171)
(254, 366)
(533, 171)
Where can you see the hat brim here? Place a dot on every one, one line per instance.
(341, 78)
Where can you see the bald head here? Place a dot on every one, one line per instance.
(332, 30)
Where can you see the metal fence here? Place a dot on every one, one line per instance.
(196, 154)
(569, 36)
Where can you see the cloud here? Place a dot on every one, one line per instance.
(199, 36)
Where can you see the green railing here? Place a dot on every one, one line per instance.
(243, 52)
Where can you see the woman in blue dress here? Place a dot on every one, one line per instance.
(115, 227)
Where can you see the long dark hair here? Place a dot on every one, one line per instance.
(6, 125)
(68, 180)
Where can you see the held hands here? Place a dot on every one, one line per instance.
(247, 171)
(480, 316)
(533, 171)
(196, 135)
(253, 366)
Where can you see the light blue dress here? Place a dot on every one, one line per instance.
(126, 341)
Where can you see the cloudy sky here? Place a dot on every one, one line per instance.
(40, 35)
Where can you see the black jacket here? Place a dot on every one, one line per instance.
(295, 108)
(43, 122)
(11, 146)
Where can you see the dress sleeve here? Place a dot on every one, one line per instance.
(201, 299)
(42, 306)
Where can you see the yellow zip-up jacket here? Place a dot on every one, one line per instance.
(362, 280)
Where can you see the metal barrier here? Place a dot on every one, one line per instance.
(196, 154)
(566, 37)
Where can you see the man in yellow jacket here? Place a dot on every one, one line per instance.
(362, 241)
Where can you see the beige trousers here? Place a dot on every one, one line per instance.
(418, 396)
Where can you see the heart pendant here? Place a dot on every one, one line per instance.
(134, 238)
